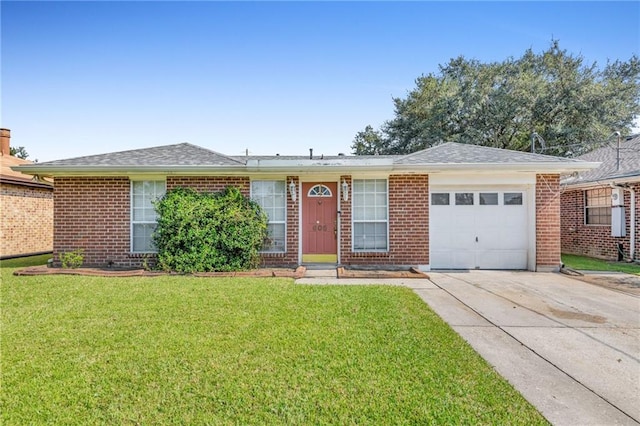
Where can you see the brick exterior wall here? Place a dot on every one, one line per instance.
(595, 240)
(92, 214)
(408, 224)
(209, 183)
(27, 219)
(547, 221)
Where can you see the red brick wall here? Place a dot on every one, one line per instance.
(595, 240)
(408, 224)
(547, 221)
(26, 219)
(93, 214)
(209, 183)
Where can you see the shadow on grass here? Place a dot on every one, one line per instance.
(23, 262)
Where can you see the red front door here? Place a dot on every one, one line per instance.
(319, 222)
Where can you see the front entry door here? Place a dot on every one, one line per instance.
(319, 222)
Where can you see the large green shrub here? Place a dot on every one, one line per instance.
(202, 232)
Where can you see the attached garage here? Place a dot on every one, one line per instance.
(479, 228)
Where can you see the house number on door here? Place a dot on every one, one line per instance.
(319, 227)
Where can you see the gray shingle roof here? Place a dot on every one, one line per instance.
(188, 158)
(607, 155)
(184, 154)
(459, 153)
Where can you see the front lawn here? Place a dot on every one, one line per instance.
(185, 350)
(590, 264)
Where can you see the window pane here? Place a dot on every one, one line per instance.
(142, 237)
(370, 214)
(276, 238)
(370, 236)
(440, 199)
(143, 213)
(464, 198)
(512, 198)
(598, 216)
(358, 186)
(278, 214)
(488, 198)
(380, 199)
(272, 197)
(599, 197)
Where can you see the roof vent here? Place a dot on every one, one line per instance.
(310, 153)
(341, 154)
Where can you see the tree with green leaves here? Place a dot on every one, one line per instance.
(19, 152)
(571, 105)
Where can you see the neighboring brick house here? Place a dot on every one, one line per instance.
(452, 206)
(600, 208)
(26, 208)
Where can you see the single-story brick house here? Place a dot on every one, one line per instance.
(452, 206)
(600, 208)
(26, 207)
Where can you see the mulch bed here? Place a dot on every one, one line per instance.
(109, 272)
(299, 272)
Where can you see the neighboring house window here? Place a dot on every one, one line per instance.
(143, 213)
(272, 197)
(597, 206)
(370, 215)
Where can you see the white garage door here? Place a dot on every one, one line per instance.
(479, 229)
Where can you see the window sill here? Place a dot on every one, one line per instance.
(137, 255)
(273, 253)
(370, 253)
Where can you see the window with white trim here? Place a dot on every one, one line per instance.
(143, 214)
(597, 206)
(370, 215)
(271, 195)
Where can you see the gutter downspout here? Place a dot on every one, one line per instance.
(632, 224)
(632, 220)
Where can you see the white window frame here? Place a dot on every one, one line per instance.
(606, 205)
(354, 221)
(132, 207)
(275, 222)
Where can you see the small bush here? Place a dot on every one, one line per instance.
(202, 232)
(72, 259)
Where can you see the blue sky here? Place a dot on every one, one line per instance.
(82, 78)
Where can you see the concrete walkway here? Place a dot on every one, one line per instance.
(571, 348)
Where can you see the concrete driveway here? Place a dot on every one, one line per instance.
(571, 348)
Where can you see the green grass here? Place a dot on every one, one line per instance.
(185, 350)
(590, 264)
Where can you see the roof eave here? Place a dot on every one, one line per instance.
(300, 168)
(605, 181)
(52, 171)
(552, 167)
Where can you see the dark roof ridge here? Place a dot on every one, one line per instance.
(213, 152)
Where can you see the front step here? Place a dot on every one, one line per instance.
(320, 273)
